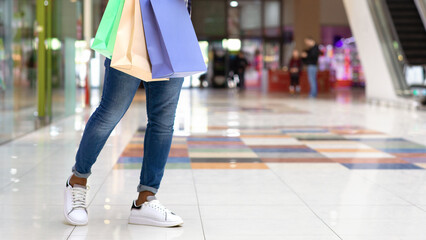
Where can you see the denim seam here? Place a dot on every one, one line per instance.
(80, 175)
(146, 143)
(143, 188)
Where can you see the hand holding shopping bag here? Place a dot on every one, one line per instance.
(107, 31)
(170, 37)
(130, 54)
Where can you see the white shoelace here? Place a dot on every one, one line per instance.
(155, 204)
(79, 197)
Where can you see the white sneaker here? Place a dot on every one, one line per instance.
(75, 209)
(153, 213)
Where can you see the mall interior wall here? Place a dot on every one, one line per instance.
(323, 20)
(332, 13)
(306, 21)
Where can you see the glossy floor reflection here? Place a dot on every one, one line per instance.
(243, 166)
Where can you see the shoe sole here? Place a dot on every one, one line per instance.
(69, 220)
(150, 222)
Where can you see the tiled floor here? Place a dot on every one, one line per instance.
(243, 166)
(353, 147)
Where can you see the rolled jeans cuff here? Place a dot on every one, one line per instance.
(80, 175)
(143, 188)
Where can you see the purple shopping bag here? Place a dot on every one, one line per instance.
(170, 38)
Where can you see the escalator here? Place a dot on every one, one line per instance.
(411, 32)
(391, 39)
(402, 25)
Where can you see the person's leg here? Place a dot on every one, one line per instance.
(241, 76)
(161, 102)
(314, 76)
(239, 79)
(312, 72)
(118, 92)
(162, 98)
(292, 83)
(309, 69)
(297, 86)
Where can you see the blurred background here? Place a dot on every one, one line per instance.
(47, 42)
(347, 163)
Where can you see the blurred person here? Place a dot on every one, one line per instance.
(219, 66)
(161, 102)
(310, 58)
(295, 67)
(240, 67)
(258, 64)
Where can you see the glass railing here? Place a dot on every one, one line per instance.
(391, 45)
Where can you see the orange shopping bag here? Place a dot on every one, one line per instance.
(130, 54)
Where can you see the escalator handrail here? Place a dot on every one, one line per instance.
(413, 86)
(421, 7)
(391, 27)
(387, 33)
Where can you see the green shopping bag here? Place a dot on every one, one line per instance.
(107, 31)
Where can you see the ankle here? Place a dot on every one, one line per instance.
(77, 180)
(143, 197)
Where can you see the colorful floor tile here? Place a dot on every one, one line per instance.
(369, 160)
(357, 155)
(350, 146)
(422, 165)
(297, 160)
(226, 160)
(272, 141)
(380, 166)
(415, 159)
(229, 166)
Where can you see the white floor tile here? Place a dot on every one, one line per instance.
(284, 227)
(120, 229)
(329, 236)
(33, 221)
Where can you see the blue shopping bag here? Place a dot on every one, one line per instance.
(170, 38)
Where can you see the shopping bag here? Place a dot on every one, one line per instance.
(130, 54)
(170, 37)
(107, 31)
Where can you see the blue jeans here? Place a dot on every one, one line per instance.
(161, 101)
(312, 77)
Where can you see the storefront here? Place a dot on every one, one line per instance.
(252, 26)
(265, 31)
(18, 77)
(342, 60)
(36, 86)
